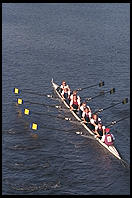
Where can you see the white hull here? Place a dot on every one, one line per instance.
(112, 149)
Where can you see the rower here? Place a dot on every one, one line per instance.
(108, 138)
(66, 94)
(94, 121)
(86, 115)
(100, 130)
(63, 86)
(82, 108)
(75, 101)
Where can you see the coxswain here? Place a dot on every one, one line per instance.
(86, 115)
(94, 121)
(108, 138)
(99, 130)
(74, 101)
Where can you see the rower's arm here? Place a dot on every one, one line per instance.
(96, 128)
(92, 122)
(83, 117)
(78, 107)
(71, 103)
(62, 94)
(103, 127)
(79, 102)
(69, 93)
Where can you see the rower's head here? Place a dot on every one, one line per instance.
(74, 92)
(107, 130)
(87, 110)
(100, 125)
(74, 97)
(95, 116)
(64, 83)
(84, 104)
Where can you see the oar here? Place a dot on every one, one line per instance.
(82, 133)
(35, 126)
(124, 101)
(116, 121)
(28, 112)
(21, 101)
(100, 84)
(111, 91)
(17, 91)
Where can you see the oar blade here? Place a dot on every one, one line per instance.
(16, 91)
(27, 112)
(20, 101)
(101, 84)
(34, 126)
(112, 91)
(125, 101)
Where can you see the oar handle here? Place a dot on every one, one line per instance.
(100, 110)
(88, 99)
(79, 89)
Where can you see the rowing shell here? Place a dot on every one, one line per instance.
(112, 149)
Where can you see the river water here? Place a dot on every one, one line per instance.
(82, 44)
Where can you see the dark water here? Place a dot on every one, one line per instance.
(83, 44)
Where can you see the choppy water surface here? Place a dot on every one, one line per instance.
(83, 44)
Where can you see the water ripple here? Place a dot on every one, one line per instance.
(24, 147)
(34, 187)
(23, 167)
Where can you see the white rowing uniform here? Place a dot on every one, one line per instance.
(82, 108)
(87, 114)
(65, 91)
(64, 87)
(78, 97)
(94, 121)
(72, 102)
(96, 127)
